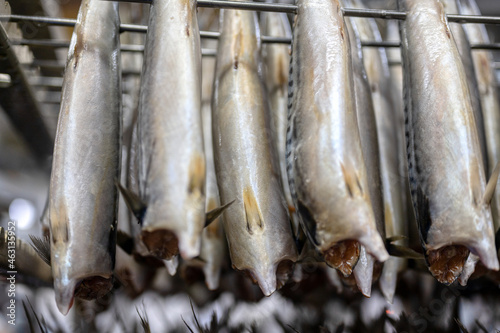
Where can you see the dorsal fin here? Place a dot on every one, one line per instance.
(215, 213)
(492, 184)
(134, 203)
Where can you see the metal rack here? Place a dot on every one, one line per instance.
(36, 134)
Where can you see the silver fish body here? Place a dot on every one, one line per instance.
(445, 164)
(325, 165)
(463, 47)
(83, 196)
(363, 271)
(277, 61)
(213, 242)
(488, 94)
(389, 138)
(171, 154)
(257, 225)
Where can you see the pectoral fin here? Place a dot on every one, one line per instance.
(215, 213)
(42, 247)
(134, 203)
(403, 252)
(492, 184)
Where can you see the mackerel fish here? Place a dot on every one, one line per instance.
(257, 225)
(446, 170)
(83, 196)
(326, 169)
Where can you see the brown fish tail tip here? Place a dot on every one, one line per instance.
(343, 256)
(447, 263)
(94, 287)
(162, 244)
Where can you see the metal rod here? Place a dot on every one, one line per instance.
(65, 44)
(354, 12)
(374, 13)
(259, 6)
(48, 82)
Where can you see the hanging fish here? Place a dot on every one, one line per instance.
(326, 169)
(463, 47)
(488, 95)
(363, 271)
(171, 154)
(257, 226)
(276, 58)
(83, 197)
(446, 169)
(213, 242)
(377, 70)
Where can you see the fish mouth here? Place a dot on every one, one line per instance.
(161, 243)
(447, 263)
(343, 256)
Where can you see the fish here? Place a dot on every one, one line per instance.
(463, 46)
(367, 124)
(213, 241)
(171, 154)
(326, 170)
(257, 225)
(488, 94)
(86, 162)
(446, 172)
(389, 138)
(276, 58)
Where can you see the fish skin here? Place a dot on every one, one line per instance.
(445, 165)
(488, 94)
(389, 138)
(367, 124)
(83, 197)
(463, 46)
(276, 66)
(323, 136)
(257, 225)
(171, 153)
(213, 243)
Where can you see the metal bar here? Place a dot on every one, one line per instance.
(386, 43)
(48, 82)
(259, 6)
(495, 46)
(286, 8)
(20, 104)
(211, 52)
(374, 13)
(65, 44)
(63, 22)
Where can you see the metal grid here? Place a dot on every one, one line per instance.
(54, 84)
